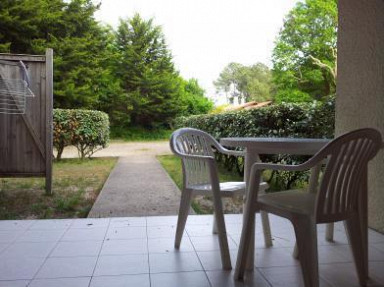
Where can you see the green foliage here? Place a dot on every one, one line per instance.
(301, 120)
(85, 129)
(304, 57)
(194, 99)
(80, 45)
(128, 73)
(291, 96)
(140, 134)
(146, 72)
(247, 83)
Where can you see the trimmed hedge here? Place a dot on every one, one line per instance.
(88, 130)
(302, 120)
(309, 120)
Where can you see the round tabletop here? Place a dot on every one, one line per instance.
(299, 146)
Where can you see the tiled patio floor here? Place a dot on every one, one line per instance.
(139, 252)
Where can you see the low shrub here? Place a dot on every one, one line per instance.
(86, 129)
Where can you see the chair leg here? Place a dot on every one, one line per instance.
(329, 230)
(306, 237)
(352, 227)
(214, 225)
(266, 228)
(295, 252)
(221, 230)
(185, 203)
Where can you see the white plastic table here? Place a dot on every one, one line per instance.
(296, 146)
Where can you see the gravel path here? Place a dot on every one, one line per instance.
(138, 185)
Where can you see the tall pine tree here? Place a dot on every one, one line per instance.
(147, 73)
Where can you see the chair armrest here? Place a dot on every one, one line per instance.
(223, 150)
(189, 156)
(232, 152)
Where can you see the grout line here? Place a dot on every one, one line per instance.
(46, 258)
(149, 265)
(101, 248)
(197, 255)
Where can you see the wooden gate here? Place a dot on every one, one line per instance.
(26, 136)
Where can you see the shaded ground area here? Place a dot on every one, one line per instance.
(138, 185)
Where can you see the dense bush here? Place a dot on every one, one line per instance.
(86, 129)
(302, 120)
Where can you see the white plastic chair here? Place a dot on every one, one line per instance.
(200, 177)
(341, 190)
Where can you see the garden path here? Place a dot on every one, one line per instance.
(138, 185)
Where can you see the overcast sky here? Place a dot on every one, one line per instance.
(205, 35)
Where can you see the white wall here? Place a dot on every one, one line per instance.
(360, 85)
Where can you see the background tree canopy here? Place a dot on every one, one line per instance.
(304, 57)
(245, 83)
(128, 73)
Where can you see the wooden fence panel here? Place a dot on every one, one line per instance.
(26, 139)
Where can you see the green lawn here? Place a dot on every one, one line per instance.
(76, 185)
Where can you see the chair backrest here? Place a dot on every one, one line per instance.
(187, 142)
(348, 157)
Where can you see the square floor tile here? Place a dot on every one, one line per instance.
(259, 241)
(379, 246)
(211, 260)
(7, 236)
(90, 223)
(174, 262)
(290, 276)
(185, 279)
(19, 268)
(41, 236)
(199, 220)
(373, 255)
(3, 246)
(90, 234)
(128, 222)
(376, 273)
(122, 247)
(210, 243)
(224, 278)
(28, 249)
(274, 257)
(77, 248)
(234, 218)
(167, 245)
(375, 237)
(340, 275)
(334, 254)
(57, 267)
(16, 283)
(123, 264)
(61, 282)
(161, 220)
(140, 280)
(131, 232)
(51, 224)
(162, 231)
(16, 224)
(199, 230)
